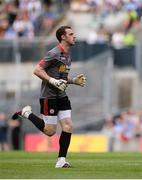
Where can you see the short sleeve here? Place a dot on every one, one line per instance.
(50, 55)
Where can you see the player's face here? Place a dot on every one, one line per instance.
(70, 37)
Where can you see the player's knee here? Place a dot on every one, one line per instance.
(68, 127)
(49, 131)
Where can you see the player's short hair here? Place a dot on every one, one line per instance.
(61, 31)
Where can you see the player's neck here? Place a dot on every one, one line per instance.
(65, 47)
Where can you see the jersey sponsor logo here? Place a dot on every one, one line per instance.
(65, 59)
(64, 68)
(62, 58)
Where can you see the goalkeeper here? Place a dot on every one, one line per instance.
(55, 105)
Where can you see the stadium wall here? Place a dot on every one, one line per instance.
(96, 143)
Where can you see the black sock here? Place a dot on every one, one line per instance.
(38, 122)
(64, 143)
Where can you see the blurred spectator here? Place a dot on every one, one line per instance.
(23, 26)
(11, 8)
(3, 25)
(139, 9)
(117, 39)
(23, 4)
(132, 18)
(3, 132)
(124, 128)
(10, 33)
(129, 38)
(80, 5)
(135, 119)
(92, 37)
(47, 22)
(99, 36)
(108, 130)
(34, 8)
(102, 35)
(124, 131)
(16, 134)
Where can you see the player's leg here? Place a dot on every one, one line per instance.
(27, 113)
(50, 125)
(64, 117)
(64, 142)
(48, 110)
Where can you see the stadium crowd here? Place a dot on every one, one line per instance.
(113, 20)
(124, 127)
(28, 18)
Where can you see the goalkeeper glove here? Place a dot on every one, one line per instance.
(60, 84)
(79, 80)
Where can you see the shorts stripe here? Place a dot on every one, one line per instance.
(46, 106)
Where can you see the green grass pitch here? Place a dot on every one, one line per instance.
(24, 165)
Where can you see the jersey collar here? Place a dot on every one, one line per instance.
(60, 46)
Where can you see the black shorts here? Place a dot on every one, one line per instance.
(52, 106)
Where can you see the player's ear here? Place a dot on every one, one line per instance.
(63, 37)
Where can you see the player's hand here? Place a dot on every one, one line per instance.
(60, 84)
(79, 80)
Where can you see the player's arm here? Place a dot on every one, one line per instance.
(78, 80)
(42, 74)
